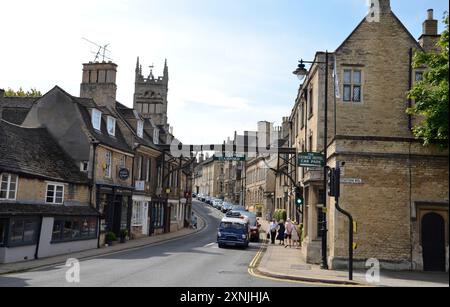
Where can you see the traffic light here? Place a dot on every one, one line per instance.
(334, 181)
(331, 182)
(299, 200)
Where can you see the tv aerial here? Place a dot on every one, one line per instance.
(101, 52)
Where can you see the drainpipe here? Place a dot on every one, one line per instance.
(410, 86)
(36, 253)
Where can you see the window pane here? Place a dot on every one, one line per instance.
(3, 225)
(357, 93)
(92, 227)
(357, 77)
(347, 93)
(76, 229)
(419, 76)
(347, 76)
(17, 231)
(57, 230)
(67, 232)
(29, 230)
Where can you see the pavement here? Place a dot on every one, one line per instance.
(193, 260)
(129, 245)
(286, 264)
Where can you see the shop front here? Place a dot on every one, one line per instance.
(115, 204)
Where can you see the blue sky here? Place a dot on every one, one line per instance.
(230, 62)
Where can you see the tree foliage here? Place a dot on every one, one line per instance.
(431, 94)
(21, 93)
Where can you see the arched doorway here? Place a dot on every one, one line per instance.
(433, 242)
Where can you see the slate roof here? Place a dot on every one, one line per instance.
(32, 151)
(15, 109)
(129, 114)
(18, 208)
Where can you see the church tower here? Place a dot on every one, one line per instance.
(150, 95)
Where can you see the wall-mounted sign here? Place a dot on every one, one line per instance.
(351, 181)
(124, 174)
(311, 159)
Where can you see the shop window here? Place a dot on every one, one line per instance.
(66, 229)
(23, 231)
(3, 227)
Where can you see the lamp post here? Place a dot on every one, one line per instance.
(301, 72)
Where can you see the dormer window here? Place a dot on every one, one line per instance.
(111, 126)
(140, 128)
(96, 119)
(155, 136)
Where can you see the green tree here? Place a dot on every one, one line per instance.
(431, 94)
(21, 93)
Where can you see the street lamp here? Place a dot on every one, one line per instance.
(301, 73)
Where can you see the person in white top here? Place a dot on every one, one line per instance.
(273, 231)
(288, 233)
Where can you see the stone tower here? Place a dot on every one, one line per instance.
(150, 95)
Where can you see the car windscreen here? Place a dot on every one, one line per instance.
(232, 226)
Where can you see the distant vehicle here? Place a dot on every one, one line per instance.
(226, 207)
(253, 224)
(238, 208)
(233, 232)
(217, 203)
(208, 200)
(194, 195)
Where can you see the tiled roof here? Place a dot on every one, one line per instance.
(7, 208)
(34, 152)
(15, 109)
(19, 102)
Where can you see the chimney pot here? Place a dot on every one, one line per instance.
(430, 14)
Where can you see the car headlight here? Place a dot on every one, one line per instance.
(244, 236)
(219, 234)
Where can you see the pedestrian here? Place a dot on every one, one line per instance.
(194, 221)
(289, 228)
(295, 236)
(281, 230)
(273, 231)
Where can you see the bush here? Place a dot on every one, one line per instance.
(280, 214)
(110, 237)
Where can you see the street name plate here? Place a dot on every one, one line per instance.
(351, 181)
(311, 159)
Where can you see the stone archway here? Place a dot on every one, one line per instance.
(433, 242)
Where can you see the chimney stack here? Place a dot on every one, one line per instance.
(99, 83)
(430, 35)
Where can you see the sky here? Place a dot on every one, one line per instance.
(230, 62)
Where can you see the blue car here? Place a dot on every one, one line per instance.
(233, 231)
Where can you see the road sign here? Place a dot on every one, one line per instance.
(311, 159)
(351, 181)
(229, 158)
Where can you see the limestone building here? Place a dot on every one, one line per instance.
(396, 189)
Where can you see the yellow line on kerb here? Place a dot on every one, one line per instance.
(257, 258)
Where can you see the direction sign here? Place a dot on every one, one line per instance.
(311, 159)
(229, 158)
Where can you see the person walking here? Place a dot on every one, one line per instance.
(295, 236)
(273, 231)
(281, 231)
(289, 228)
(194, 221)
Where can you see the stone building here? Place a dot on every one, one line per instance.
(395, 188)
(44, 198)
(212, 178)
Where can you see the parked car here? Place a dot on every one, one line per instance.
(253, 224)
(217, 204)
(226, 207)
(233, 232)
(238, 208)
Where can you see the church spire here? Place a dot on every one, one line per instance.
(166, 70)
